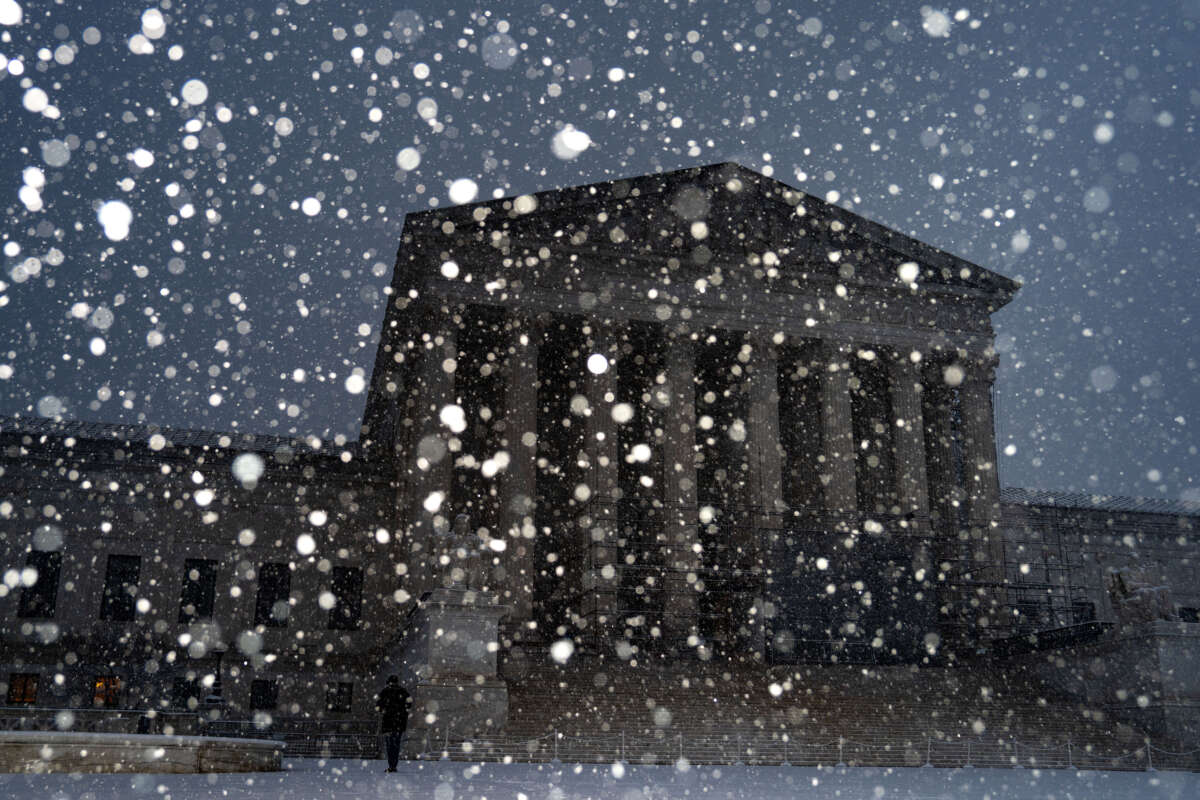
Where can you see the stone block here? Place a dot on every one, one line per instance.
(53, 751)
(447, 657)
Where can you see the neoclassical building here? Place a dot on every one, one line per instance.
(678, 403)
(696, 417)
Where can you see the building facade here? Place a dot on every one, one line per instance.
(699, 415)
(709, 391)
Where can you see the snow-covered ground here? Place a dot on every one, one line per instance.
(335, 780)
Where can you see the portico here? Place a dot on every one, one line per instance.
(711, 423)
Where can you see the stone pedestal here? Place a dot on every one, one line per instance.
(446, 658)
(1147, 675)
(89, 752)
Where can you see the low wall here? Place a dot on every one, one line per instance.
(1147, 675)
(44, 751)
(99, 720)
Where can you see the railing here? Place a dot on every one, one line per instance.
(357, 739)
(1050, 639)
(306, 737)
(780, 749)
(747, 560)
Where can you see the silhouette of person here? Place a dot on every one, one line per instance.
(393, 703)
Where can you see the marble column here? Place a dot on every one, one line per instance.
(841, 494)
(948, 551)
(979, 441)
(983, 494)
(940, 470)
(680, 488)
(429, 464)
(518, 482)
(908, 437)
(597, 520)
(765, 456)
(765, 452)
(912, 484)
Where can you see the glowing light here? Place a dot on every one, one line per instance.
(597, 364)
(463, 190)
(115, 217)
(194, 92)
(562, 650)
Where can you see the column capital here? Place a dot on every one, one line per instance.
(836, 347)
(519, 325)
(680, 339)
(835, 353)
(768, 340)
(981, 368)
(600, 326)
(602, 336)
(900, 366)
(435, 318)
(517, 319)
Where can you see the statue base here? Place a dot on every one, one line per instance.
(1147, 675)
(446, 657)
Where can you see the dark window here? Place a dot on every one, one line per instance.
(1083, 611)
(1189, 614)
(186, 693)
(274, 587)
(347, 594)
(264, 695)
(120, 588)
(339, 697)
(106, 691)
(199, 589)
(40, 599)
(22, 688)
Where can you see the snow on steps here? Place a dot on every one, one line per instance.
(601, 710)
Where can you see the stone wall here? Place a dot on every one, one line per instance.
(88, 498)
(40, 752)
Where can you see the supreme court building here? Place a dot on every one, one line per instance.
(697, 416)
(699, 407)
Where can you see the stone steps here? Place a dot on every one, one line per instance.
(695, 701)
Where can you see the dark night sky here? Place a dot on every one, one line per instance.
(1054, 143)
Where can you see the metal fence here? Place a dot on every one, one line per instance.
(306, 738)
(358, 739)
(783, 750)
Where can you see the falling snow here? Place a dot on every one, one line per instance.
(203, 207)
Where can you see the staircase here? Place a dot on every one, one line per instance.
(602, 710)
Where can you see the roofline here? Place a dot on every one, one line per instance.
(1090, 501)
(888, 237)
(1003, 287)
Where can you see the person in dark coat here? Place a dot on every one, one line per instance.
(393, 704)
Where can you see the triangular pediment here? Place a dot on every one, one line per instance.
(713, 248)
(697, 219)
